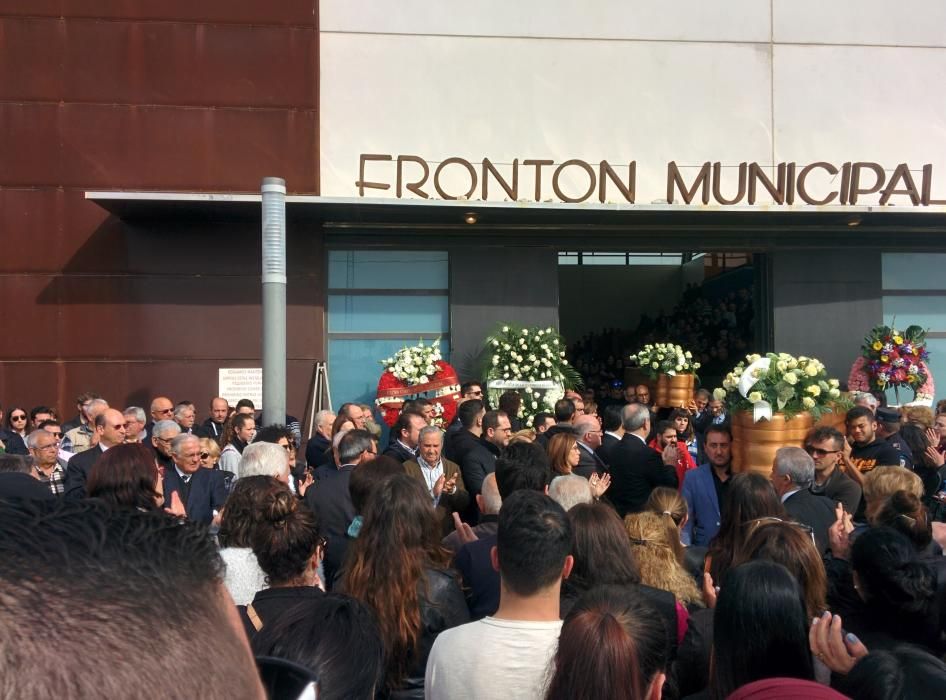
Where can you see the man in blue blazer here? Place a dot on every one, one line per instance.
(202, 491)
(705, 486)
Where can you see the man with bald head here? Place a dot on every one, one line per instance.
(213, 426)
(162, 408)
(109, 431)
(588, 431)
(202, 491)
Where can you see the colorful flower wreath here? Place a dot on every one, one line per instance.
(895, 359)
(418, 371)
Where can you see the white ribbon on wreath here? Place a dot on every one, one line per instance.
(760, 409)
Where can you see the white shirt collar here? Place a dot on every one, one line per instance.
(614, 435)
(786, 496)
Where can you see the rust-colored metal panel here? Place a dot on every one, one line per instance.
(31, 59)
(158, 63)
(29, 144)
(188, 64)
(284, 12)
(179, 148)
(30, 317)
(129, 147)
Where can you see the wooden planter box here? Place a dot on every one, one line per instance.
(754, 444)
(674, 391)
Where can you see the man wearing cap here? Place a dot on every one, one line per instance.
(888, 428)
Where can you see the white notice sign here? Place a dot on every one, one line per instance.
(237, 383)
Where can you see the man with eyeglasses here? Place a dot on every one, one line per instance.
(55, 429)
(588, 430)
(109, 431)
(162, 408)
(792, 473)
(163, 432)
(44, 447)
(826, 447)
(480, 460)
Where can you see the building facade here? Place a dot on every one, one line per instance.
(448, 163)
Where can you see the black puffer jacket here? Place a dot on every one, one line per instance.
(442, 606)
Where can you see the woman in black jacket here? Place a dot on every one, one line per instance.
(398, 568)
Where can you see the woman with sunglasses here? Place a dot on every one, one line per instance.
(17, 420)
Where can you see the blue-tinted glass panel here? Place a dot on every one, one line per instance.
(913, 270)
(354, 369)
(928, 312)
(388, 269)
(388, 314)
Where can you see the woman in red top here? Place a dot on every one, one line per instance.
(667, 435)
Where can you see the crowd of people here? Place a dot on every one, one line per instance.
(606, 550)
(717, 329)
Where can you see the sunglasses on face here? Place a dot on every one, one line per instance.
(18, 417)
(818, 452)
(204, 455)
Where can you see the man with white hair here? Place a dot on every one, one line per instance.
(202, 491)
(588, 431)
(792, 473)
(866, 399)
(569, 490)
(441, 477)
(318, 449)
(162, 433)
(264, 459)
(135, 419)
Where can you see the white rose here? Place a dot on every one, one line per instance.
(791, 378)
(525, 331)
(423, 380)
(495, 360)
(719, 394)
(814, 390)
(535, 405)
(834, 383)
(430, 369)
(811, 370)
(688, 355)
(834, 393)
(505, 329)
(754, 397)
(808, 402)
(679, 368)
(781, 365)
(655, 365)
(555, 342)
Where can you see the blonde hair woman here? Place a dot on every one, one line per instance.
(209, 453)
(656, 542)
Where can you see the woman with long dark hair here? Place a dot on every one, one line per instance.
(603, 557)
(126, 476)
(760, 629)
(749, 496)
(398, 567)
(613, 646)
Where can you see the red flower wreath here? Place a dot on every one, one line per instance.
(443, 390)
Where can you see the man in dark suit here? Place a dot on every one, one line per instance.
(330, 498)
(110, 429)
(588, 431)
(470, 418)
(635, 468)
(405, 431)
(202, 491)
(792, 473)
(318, 449)
(480, 460)
(565, 416)
(213, 427)
(613, 432)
